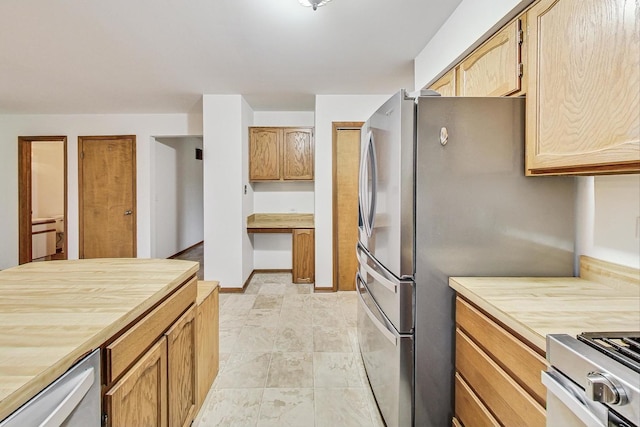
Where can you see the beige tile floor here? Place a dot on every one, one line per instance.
(288, 357)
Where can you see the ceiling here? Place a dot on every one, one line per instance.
(160, 56)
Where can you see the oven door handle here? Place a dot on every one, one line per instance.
(592, 414)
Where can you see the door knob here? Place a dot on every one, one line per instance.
(128, 212)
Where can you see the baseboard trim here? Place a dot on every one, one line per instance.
(246, 283)
(185, 250)
(323, 290)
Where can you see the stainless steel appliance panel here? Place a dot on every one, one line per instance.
(73, 400)
(394, 296)
(476, 214)
(386, 185)
(388, 360)
(581, 364)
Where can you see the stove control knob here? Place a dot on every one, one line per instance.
(601, 387)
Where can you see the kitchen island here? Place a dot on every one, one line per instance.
(54, 313)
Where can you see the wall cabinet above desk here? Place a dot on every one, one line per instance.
(281, 154)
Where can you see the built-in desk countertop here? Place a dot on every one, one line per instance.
(53, 313)
(279, 222)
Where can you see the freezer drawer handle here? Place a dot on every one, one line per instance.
(572, 397)
(379, 277)
(385, 332)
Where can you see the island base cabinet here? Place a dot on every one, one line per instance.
(182, 370)
(139, 398)
(303, 270)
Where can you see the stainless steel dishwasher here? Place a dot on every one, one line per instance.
(73, 400)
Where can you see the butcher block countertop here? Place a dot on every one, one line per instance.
(533, 307)
(53, 313)
(272, 222)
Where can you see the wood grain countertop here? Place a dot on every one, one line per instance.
(53, 313)
(278, 222)
(536, 306)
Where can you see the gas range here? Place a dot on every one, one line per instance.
(596, 376)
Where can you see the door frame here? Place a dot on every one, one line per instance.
(24, 195)
(337, 126)
(134, 198)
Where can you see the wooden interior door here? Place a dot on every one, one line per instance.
(107, 193)
(346, 163)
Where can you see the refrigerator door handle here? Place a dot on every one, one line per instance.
(374, 183)
(384, 281)
(368, 204)
(362, 195)
(374, 320)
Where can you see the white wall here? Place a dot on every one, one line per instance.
(329, 109)
(47, 179)
(225, 122)
(471, 20)
(609, 219)
(141, 125)
(178, 198)
(247, 117)
(273, 251)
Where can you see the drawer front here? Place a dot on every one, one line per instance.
(520, 361)
(469, 409)
(508, 402)
(124, 351)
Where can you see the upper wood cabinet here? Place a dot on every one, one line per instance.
(446, 85)
(583, 107)
(495, 68)
(281, 154)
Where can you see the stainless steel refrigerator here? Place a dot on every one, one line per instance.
(443, 193)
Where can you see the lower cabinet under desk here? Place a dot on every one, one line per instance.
(301, 228)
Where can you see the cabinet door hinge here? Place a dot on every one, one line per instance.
(105, 419)
(82, 154)
(520, 69)
(520, 32)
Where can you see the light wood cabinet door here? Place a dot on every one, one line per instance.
(140, 397)
(583, 108)
(181, 366)
(265, 155)
(494, 69)
(297, 154)
(446, 85)
(303, 270)
(208, 343)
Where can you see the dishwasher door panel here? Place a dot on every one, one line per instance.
(388, 360)
(73, 400)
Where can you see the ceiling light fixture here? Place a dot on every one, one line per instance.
(313, 3)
